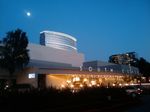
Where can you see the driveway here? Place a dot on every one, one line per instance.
(144, 107)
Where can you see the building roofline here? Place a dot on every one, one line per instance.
(59, 33)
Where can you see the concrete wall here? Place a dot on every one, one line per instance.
(111, 66)
(46, 64)
(43, 53)
(22, 77)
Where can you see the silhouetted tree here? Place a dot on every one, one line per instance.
(144, 67)
(15, 51)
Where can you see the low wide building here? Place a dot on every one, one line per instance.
(57, 63)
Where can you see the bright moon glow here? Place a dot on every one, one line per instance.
(28, 14)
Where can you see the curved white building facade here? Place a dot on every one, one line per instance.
(58, 40)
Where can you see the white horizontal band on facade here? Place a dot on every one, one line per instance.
(60, 34)
(61, 44)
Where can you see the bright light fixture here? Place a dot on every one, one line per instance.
(31, 75)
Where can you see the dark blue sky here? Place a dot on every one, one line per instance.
(102, 27)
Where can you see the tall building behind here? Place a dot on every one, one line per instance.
(129, 58)
(58, 40)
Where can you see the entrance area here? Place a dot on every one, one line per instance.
(77, 81)
(41, 81)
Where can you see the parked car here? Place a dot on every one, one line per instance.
(133, 91)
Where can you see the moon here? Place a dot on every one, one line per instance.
(28, 14)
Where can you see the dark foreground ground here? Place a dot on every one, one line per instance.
(51, 100)
(143, 107)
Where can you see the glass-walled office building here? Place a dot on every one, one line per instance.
(129, 58)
